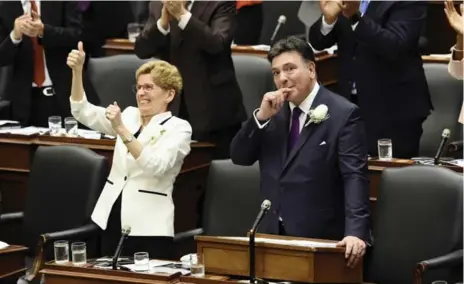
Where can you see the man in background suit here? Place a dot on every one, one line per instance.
(35, 39)
(310, 144)
(380, 66)
(196, 38)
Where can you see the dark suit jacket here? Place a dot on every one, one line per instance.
(202, 53)
(382, 56)
(62, 31)
(320, 189)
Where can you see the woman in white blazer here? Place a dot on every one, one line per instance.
(151, 145)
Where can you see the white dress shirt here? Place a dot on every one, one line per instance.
(184, 19)
(27, 8)
(305, 107)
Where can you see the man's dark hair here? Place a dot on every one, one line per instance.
(291, 43)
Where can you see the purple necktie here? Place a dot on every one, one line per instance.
(295, 130)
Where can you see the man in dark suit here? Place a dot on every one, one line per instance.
(196, 38)
(35, 39)
(380, 66)
(311, 148)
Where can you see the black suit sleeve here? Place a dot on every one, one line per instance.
(246, 145)
(320, 41)
(151, 42)
(399, 34)
(352, 152)
(8, 49)
(216, 36)
(67, 35)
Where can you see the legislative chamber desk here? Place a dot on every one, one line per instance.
(12, 262)
(17, 151)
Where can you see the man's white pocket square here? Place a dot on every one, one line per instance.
(322, 143)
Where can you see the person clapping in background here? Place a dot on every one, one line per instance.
(455, 19)
(150, 147)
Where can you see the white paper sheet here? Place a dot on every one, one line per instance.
(3, 245)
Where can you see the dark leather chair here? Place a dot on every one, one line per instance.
(254, 77)
(446, 93)
(418, 226)
(113, 78)
(64, 185)
(6, 73)
(232, 200)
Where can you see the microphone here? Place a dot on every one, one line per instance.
(282, 19)
(265, 206)
(445, 135)
(124, 234)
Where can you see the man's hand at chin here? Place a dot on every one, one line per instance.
(355, 249)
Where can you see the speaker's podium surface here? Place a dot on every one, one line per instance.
(278, 258)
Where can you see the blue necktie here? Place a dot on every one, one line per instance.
(295, 130)
(363, 6)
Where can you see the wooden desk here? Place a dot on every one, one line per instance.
(17, 151)
(12, 261)
(69, 274)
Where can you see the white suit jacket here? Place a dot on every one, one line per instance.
(146, 183)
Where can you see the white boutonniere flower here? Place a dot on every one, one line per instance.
(156, 137)
(318, 115)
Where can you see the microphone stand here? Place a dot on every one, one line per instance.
(252, 256)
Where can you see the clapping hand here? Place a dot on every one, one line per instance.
(331, 9)
(175, 8)
(76, 58)
(454, 18)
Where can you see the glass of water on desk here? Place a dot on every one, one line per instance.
(141, 261)
(54, 125)
(70, 125)
(79, 253)
(197, 265)
(385, 149)
(133, 31)
(61, 252)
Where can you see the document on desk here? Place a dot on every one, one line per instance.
(27, 131)
(3, 245)
(299, 243)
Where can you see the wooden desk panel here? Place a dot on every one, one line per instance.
(12, 261)
(69, 274)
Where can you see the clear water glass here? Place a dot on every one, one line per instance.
(71, 126)
(79, 253)
(54, 125)
(385, 149)
(61, 249)
(141, 261)
(439, 282)
(133, 31)
(197, 265)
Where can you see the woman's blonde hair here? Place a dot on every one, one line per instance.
(163, 74)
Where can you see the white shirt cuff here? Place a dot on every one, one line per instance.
(326, 28)
(15, 41)
(260, 126)
(184, 19)
(78, 105)
(161, 29)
